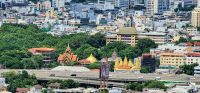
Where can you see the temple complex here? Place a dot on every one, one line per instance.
(127, 65)
(67, 56)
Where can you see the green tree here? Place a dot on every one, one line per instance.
(69, 84)
(20, 80)
(181, 40)
(146, 44)
(112, 64)
(188, 69)
(85, 50)
(149, 84)
(155, 84)
(135, 86)
(95, 65)
(53, 64)
(98, 40)
(145, 69)
(119, 47)
(9, 76)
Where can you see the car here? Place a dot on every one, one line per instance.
(140, 78)
(157, 78)
(52, 75)
(73, 75)
(110, 76)
(192, 78)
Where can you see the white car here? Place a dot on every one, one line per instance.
(140, 78)
(157, 78)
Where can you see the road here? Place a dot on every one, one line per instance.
(117, 79)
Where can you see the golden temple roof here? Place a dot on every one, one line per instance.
(127, 65)
(92, 59)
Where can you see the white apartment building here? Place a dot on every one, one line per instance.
(192, 30)
(197, 71)
(195, 19)
(192, 58)
(156, 6)
(158, 38)
(59, 3)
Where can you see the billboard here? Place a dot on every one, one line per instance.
(104, 70)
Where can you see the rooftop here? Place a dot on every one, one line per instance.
(71, 68)
(41, 49)
(153, 33)
(127, 30)
(172, 54)
(193, 54)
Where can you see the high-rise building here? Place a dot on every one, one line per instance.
(59, 3)
(149, 7)
(127, 3)
(198, 3)
(189, 2)
(174, 4)
(156, 6)
(195, 20)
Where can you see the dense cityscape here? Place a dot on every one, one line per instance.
(99, 46)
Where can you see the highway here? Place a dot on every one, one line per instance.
(116, 79)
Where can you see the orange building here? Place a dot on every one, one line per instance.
(47, 53)
(67, 56)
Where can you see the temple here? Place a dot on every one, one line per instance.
(67, 56)
(91, 59)
(127, 65)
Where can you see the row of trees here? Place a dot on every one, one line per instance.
(149, 84)
(187, 69)
(17, 39)
(64, 84)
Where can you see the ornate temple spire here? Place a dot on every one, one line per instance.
(138, 64)
(125, 61)
(130, 63)
(116, 63)
(120, 62)
(68, 48)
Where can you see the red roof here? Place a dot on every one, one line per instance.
(147, 55)
(193, 54)
(193, 43)
(84, 62)
(22, 90)
(41, 49)
(189, 44)
(196, 43)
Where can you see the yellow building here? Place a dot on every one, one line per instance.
(172, 59)
(125, 34)
(195, 19)
(127, 65)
